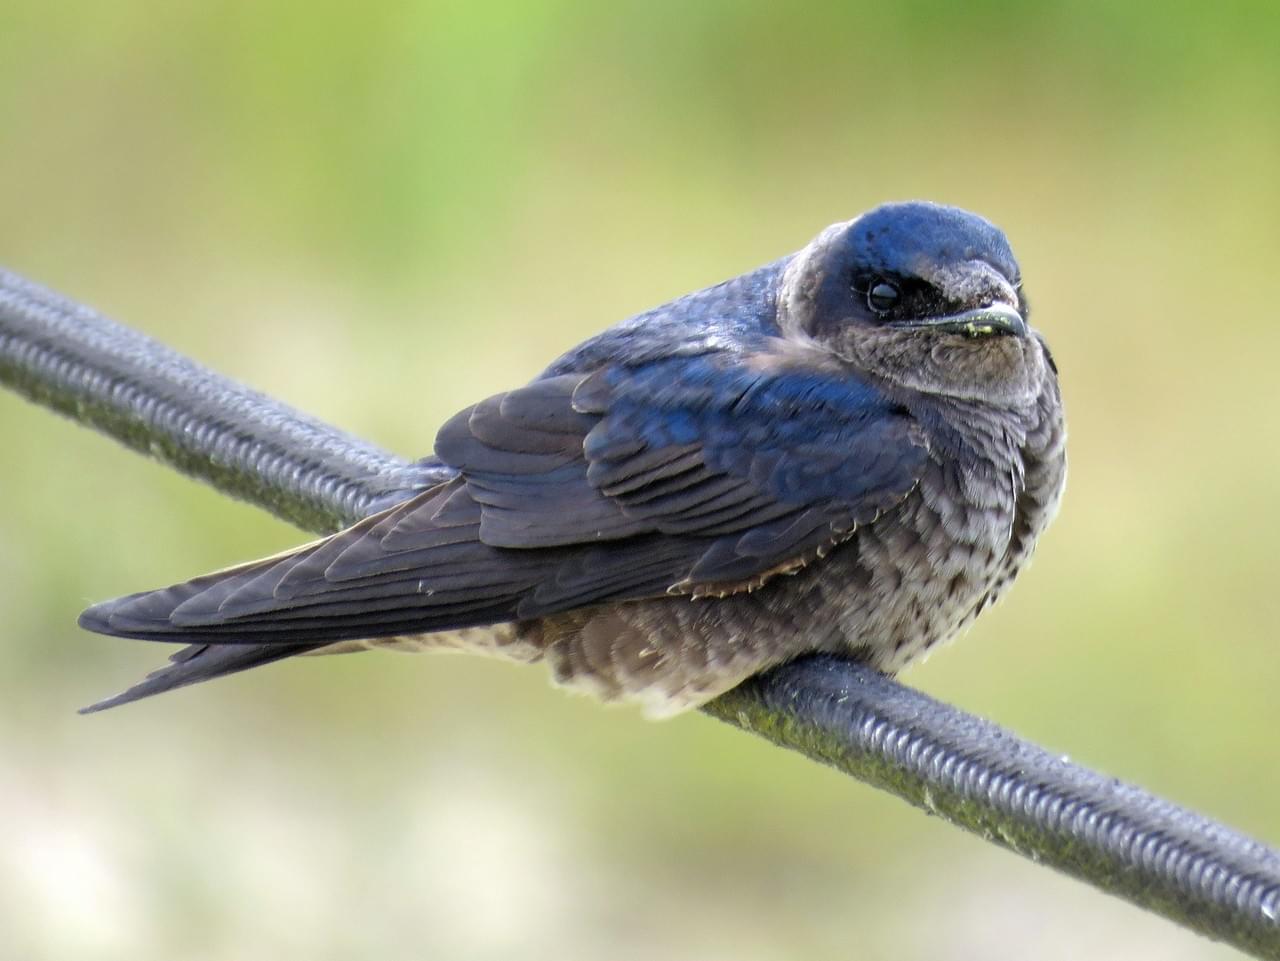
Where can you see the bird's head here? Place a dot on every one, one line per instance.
(921, 295)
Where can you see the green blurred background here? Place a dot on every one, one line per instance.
(383, 212)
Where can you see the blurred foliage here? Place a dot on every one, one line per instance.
(381, 212)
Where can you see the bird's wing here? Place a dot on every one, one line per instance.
(702, 475)
(752, 464)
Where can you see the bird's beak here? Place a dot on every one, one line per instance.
(980, 322)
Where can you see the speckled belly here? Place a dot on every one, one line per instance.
(930, 570)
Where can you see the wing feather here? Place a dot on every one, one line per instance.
(704, 474)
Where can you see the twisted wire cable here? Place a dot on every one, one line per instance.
(967, 770)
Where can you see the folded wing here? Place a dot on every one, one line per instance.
(698, 475)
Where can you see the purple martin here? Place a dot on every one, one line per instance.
(850, 450)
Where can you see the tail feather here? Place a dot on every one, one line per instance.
(200, 662)
(351, 586)
(420, 567)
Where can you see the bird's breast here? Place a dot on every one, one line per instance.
(926, 570)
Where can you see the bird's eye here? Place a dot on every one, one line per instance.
(882, 296)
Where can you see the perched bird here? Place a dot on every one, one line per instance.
(852, 449)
